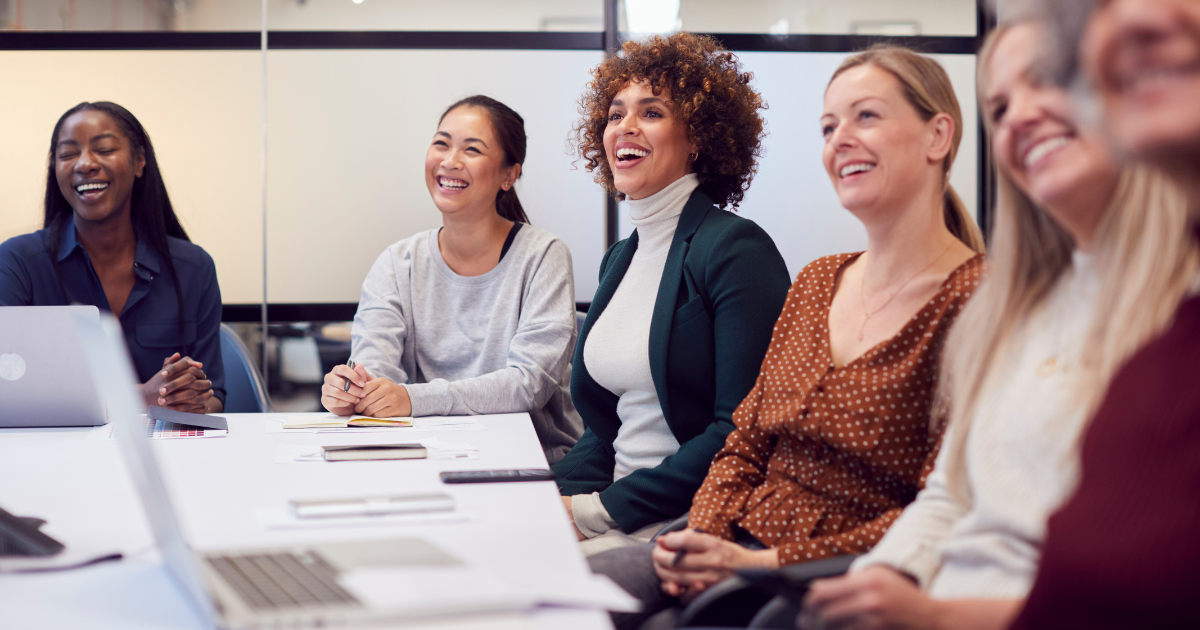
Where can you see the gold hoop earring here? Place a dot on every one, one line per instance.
(692, 157)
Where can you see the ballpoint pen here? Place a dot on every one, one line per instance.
(679, 554)
(349, 362)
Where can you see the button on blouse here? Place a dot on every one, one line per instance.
(823, 458)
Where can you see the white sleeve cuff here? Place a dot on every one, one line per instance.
(920, 561)
(590, 515)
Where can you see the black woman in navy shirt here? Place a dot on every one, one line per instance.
(111, 239)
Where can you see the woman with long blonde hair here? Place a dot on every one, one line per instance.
(833, 440)
(1088, 262)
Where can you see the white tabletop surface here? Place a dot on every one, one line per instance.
(218, 486)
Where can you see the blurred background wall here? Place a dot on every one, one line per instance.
(354, 91)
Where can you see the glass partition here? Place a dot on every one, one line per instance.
(130, 15)
(427, 15)
(354, 90)
(801, 17)
(348, 131)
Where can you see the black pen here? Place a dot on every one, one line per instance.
(349, 362)
(679, 554)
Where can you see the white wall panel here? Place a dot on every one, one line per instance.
(348, 134)
(930, 17)
(792, 197)
(203, 112)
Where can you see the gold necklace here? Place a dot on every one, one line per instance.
(1048, 366)
(862, 292)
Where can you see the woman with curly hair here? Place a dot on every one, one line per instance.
(838, 433)
(683, 313)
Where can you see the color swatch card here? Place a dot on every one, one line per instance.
(159, 430)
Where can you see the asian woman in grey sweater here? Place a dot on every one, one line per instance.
(477, 316)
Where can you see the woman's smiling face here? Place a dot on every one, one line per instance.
(645, 143)
(1036, 140)
(877, 147)
(464, 166)
(1144, 58)
(95, 166)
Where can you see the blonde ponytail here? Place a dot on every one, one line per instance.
(960, 223)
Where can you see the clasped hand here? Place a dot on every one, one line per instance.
(707, 560)
(881, 598)
(875, 598)
(367, 396)
(180, 386)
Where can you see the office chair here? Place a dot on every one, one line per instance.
(760, 598)
(244, 389)
(579, 317)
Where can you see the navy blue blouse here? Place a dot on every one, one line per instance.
(151, 316)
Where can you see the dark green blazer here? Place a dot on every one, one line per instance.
(721, 291)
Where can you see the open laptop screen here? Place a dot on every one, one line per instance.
(39, 358)
(112, 371)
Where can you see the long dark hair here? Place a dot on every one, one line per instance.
(151, 213)
(510, 130)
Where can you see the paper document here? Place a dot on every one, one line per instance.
(334, 421)
(301, 453)
(312, 423)
(464, 588)
(282, 517)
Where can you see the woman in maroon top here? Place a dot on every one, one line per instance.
(1124, 551)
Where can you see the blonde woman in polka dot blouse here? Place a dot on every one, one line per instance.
(835, 437)
(1089, 261)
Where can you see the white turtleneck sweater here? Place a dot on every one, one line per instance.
(1021, 456)
(617, 350)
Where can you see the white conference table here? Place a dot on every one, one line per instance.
(218, 486)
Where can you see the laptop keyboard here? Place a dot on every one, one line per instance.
(281, 580)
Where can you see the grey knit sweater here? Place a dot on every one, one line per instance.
(497, 343)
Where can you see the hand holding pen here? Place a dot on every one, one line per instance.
(683, 550)
(343, 388)
(691, 561)
(351, 364)
(671, 550)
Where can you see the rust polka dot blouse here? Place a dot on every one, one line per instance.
(822, 458)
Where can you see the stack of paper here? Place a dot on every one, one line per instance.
(282, 517)
(330, 423)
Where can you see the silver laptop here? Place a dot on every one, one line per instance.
(250, 588)
(43, 382)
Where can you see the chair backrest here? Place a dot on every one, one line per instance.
(579, 317)
(244, 390)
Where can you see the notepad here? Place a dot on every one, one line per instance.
(339, 422)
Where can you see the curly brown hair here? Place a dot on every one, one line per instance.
(712, 97)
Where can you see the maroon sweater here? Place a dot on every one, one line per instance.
(1124, 552)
